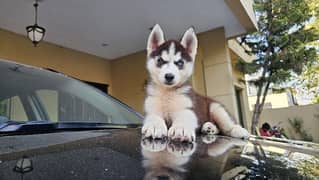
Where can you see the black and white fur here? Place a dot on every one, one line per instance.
(172, 108)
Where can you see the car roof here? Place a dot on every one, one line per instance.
(125, 153)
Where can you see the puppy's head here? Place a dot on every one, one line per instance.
(170, 63)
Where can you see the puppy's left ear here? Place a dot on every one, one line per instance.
(190, 43)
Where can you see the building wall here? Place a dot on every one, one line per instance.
(217, 68)
(274, 101)
(129, 76)
(306, 113)
(77, 64)
(239, 79)
(198, 77)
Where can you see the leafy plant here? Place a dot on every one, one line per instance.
(309, 168)
(297, 124)
(280, 45)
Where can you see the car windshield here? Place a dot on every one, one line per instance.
(33, 94)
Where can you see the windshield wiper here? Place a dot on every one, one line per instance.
(36, 127)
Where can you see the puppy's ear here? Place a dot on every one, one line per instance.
(155, 39)
(190, 43)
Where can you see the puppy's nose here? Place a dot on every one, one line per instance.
(169, 77)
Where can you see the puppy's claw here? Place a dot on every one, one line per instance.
(181, 134)
(155, 130)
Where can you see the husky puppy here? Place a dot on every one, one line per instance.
(172, 107)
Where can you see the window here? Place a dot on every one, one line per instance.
(13, 109)
(49, 99)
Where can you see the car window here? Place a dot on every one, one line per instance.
(31, 94)
(63, 106)
(13, 109)
(49, 99)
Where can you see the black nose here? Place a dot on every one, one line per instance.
(169, 77)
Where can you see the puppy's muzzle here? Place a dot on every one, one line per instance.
(169, 77)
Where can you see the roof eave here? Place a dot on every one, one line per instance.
(244, 12)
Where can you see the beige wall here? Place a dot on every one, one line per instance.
(128, 76)
(80, 65)
(279, 100)
(239, 80)
(306, 113)
(198, 79)
(217, 68)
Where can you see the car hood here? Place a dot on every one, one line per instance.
(122, 154)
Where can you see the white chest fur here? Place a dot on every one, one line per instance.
(163, 101)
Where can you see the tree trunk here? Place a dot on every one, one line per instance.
(259, 107)
(256, 109)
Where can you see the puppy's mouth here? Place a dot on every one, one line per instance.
(169, 83)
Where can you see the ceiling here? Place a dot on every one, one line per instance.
(85, 25)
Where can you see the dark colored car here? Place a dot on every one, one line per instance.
(55, 127)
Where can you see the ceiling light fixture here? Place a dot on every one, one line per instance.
(35, 32)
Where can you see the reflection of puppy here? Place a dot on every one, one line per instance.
(216, 146)
(172, 107)
(165, 160)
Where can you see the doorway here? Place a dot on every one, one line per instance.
(239, 100)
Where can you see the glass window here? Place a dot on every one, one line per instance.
(51, 96)
(49, 99)
(12, 109)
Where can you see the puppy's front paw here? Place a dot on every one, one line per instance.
(154, 130)
(153, 145)
(181, 149)
(209, 128)
(178, 133)
(208, 139)
(239, 132)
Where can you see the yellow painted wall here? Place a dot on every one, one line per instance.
(217, 68)
(306, 113)
(279, 100)
(77, 64)
(198, 79)
(128, 76)
(238, 78)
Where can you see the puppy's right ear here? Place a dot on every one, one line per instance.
(155, 39)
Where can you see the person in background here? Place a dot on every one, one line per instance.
(265, 130)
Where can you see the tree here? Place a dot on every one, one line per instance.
(280, 46)
(307, 84)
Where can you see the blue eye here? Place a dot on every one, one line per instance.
(179, 64)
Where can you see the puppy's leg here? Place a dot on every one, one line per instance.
(209, 128)
(181, 149)
(154, 126)
(184, 124)
(225, 122)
